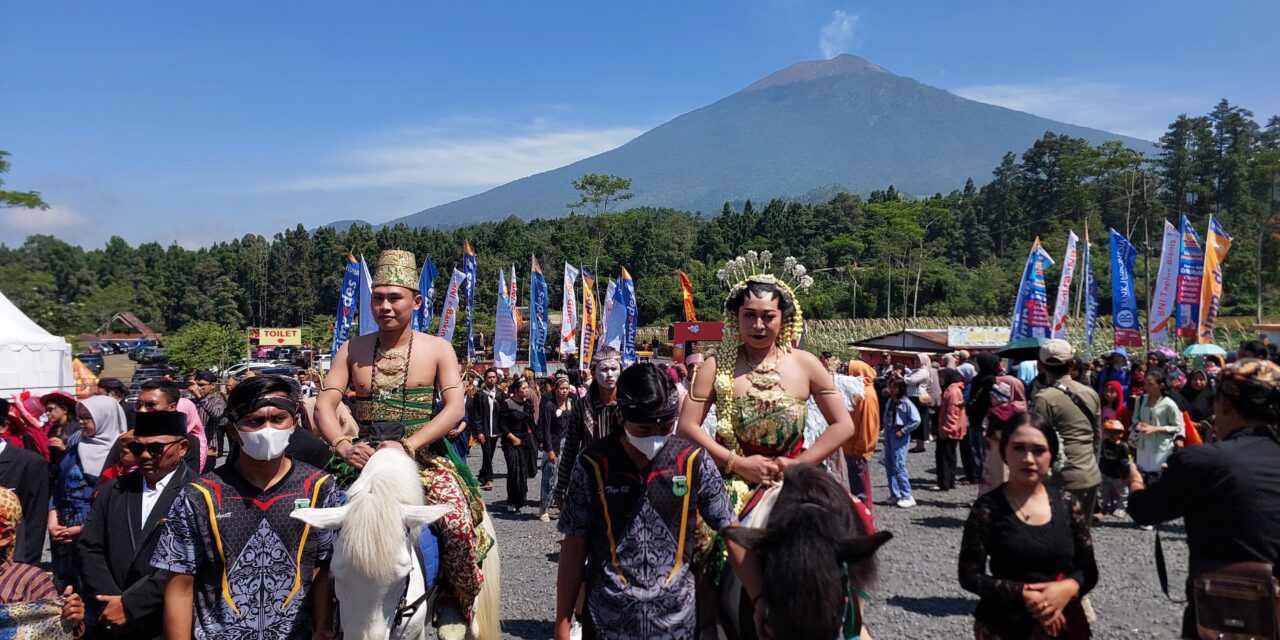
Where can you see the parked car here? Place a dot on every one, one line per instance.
(152, 355)
(93, 361)
(239, 369)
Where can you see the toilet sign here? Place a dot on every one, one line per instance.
(268, 336)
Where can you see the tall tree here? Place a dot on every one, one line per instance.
(25, 199)
(597, 191)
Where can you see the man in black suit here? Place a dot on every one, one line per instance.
(485, 407)
(123, 527)
(27, 474)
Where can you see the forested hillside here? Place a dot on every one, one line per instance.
(879, 255)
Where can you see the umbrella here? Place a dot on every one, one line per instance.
(1204, 350)
(1166, 352)
(1022, 349)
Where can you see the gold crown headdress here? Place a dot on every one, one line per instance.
(756, 267)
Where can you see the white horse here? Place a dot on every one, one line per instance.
(377, 577)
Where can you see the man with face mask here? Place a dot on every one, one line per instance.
(629, 516)
(124, 525)
(601, 417)
(236, 558)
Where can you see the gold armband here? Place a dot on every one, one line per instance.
(409, 449)
(728, 466)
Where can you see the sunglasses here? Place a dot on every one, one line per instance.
(149, 404)
(153, 448)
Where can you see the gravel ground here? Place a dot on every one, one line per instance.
(918, 595)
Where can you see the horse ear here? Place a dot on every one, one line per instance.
(747, 537)
(860, 547)
(325, 518)
(421, 515)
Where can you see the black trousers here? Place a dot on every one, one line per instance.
(944, 454)
(926, 422)
(522, 463)
(486, 459)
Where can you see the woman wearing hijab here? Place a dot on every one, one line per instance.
(101, 421)
(973, 448)
(1198, 394)
(195, 428)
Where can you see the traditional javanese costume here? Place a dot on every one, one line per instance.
(446, 480)
(767, 421)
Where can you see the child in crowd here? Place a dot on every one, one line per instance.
(899, 420)
(1114, 464)
(1113, 405)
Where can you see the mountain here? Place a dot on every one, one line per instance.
(844, 122)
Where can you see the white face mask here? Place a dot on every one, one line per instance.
(265, 443)
(649, 446)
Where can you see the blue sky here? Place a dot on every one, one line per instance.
(196, 122)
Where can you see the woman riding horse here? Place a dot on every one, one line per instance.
(760, 388)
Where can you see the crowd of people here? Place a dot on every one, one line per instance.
(169, 515)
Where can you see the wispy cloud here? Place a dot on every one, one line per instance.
(58, 220)
(839, 35)
(460, 154)
(1125, 109)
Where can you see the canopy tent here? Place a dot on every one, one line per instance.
(30, 357)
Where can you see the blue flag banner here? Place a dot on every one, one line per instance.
(1190, 277)
(367, 323)
(1124, 300)
(539, 302)
(426, 287)
(1031, 309)
(348, 302)
(628, 287)
(1090, 300)
(469, 268)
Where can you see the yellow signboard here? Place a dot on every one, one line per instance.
(267, 336)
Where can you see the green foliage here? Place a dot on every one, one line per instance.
(598, 190)
(24, 199)
(205, 345)
(886, 256)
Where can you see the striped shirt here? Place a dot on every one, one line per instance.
(24, 583)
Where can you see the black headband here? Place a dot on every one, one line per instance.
(238, 413)
(633, 411)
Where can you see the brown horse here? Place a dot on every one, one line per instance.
(816, 557)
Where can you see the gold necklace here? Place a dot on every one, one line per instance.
(764, 376)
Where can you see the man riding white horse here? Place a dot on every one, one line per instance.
(400, 378)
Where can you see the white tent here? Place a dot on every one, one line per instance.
(30, 357)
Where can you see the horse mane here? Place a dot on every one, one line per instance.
(812, 520)
(373, 531)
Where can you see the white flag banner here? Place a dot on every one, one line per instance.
(1165, 296)
(449, 314)
(504, 334)
(607, 317)
(569, 313)
(1064, 288)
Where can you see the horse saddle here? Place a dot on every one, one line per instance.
(430, 551)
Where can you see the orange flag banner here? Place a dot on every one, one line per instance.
(687, 288)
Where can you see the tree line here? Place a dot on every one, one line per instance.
(883, 255)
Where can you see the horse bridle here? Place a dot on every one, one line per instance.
(406, 611)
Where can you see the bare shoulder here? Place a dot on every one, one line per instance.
(433, 343)
(808, 361)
